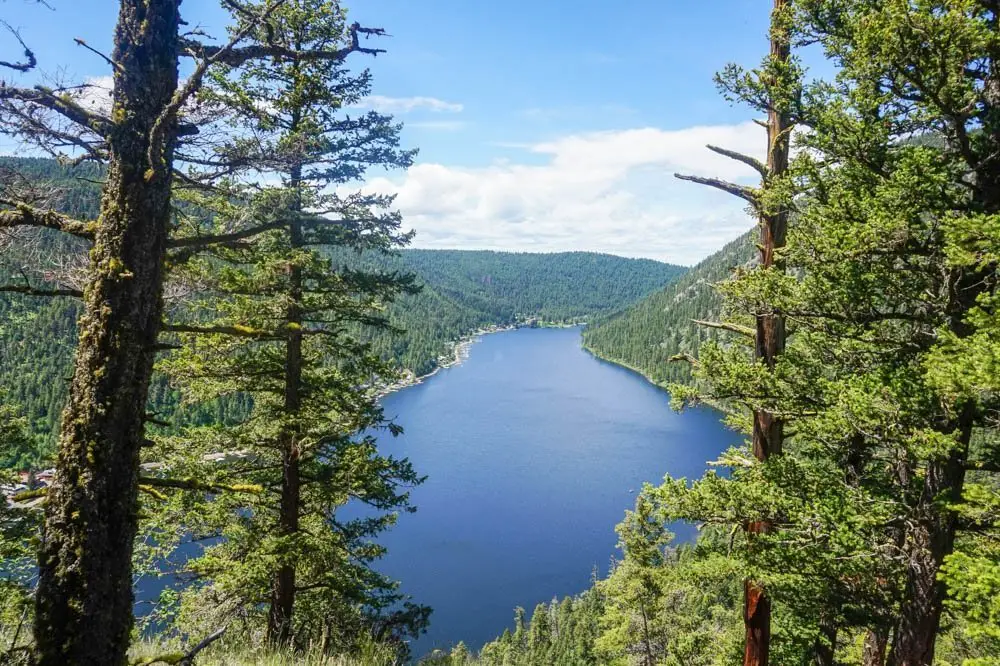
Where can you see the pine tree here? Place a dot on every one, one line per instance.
(84, 599)
(889, 279)
(771, 90)
(276, 316)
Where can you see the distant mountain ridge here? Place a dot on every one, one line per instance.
(646, 334)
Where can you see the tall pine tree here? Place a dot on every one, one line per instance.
(278, 307)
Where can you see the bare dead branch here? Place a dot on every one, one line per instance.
(741, 191)
(34, 291)
(37, 126)
(724, 326)
(29, 57)
(90, 48)
(751, 162)
(237, 56)
(64, 105)
(168, 116)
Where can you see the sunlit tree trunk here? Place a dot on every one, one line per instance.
(768, 430)
(84, 599)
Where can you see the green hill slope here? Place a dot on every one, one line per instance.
(644, 336)
(462, 291)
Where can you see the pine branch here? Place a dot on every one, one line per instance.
(237, 56)
(194, 243)
(732, 328)
(21, 214)
(32, 291)
(151, 418)
(198, 242)
(64, 105)
(195, 484)
(752, 162)
(740, 191)
(685, 357)
(168, 117)
(238, 331)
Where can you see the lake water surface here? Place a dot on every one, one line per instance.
(533, 451)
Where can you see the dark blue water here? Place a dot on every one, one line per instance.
(533, 450)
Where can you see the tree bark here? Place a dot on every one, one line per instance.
(279, 622)
(930, 539)
(84, 598)
(768, 430)
(873, 651)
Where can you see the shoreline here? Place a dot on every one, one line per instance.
(622, 364)
(461, 349)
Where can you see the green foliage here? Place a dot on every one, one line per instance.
(646, 335)
(466, 290)
(273, 318)
(561, 633)
(461, 291)
(19, 525)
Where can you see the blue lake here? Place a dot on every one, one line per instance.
(533, 451)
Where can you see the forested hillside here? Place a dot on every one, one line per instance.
(463, 290)
(646, 335)
(460, 292)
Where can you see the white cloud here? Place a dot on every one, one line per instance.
(608, 192)
(440, 125)
(385, 104)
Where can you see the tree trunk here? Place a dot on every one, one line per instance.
(768, 430)
(873, 652)
(279, 624)
(930, 539)
(84, 598)
(825, 647)
(649, 658)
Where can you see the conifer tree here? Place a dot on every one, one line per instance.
(896, 247)
(281, 296)
(772, 90)
(84, 599)
(894, 279)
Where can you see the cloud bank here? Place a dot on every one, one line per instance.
(605, 191)
(384, 104)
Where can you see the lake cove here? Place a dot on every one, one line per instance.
(533, 450)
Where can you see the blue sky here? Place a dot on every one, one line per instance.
(542, 125)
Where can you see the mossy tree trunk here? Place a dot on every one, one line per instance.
(84, 601)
